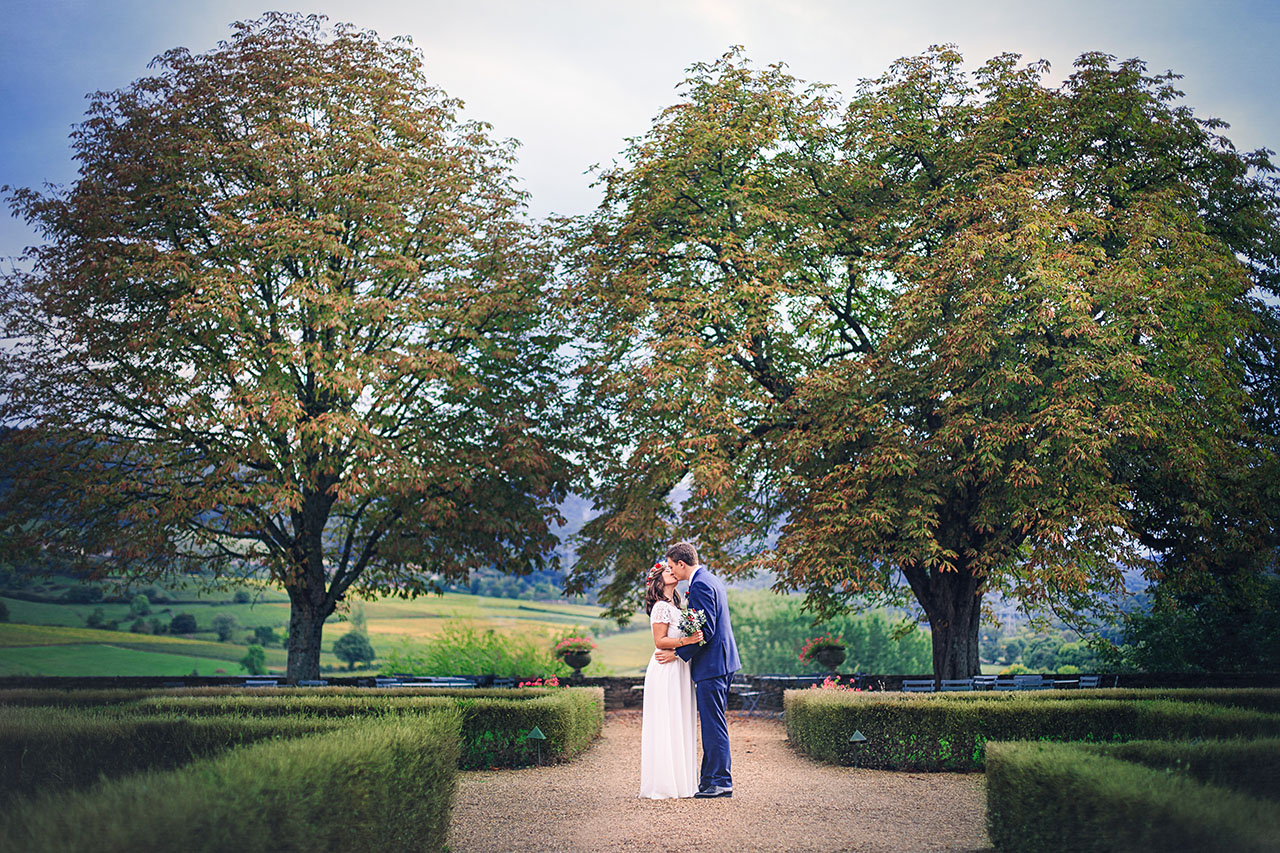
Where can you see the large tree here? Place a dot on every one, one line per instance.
(288, 317)
(944, 340)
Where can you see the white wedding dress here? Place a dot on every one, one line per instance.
(668, 747)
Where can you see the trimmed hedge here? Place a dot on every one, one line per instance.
(1256, 698)
(318, 701)
(495, 722)
(382, 785)
(44, 749)
(1062, 797)
(1249, 766)
(937, 733)
(494, 731)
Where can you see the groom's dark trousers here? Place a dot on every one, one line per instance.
(712, 666)
(713, 694)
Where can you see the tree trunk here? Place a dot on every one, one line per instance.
(309, 603)
(952, 602)
(306, 624)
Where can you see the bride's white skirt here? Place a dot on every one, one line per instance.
(668, 745)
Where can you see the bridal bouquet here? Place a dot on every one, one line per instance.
(691, 622)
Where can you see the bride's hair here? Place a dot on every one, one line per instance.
(654, 591)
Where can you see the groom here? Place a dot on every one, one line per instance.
(712, 666)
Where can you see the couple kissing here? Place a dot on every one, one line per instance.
(688, 676)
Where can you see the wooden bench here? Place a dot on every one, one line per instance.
(953, 685)
(918, 685)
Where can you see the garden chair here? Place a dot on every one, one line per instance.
(750, 699)
(1031, 682)
(917, 685)
(954, 685)
(984, 682)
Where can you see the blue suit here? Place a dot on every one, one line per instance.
(712, 666)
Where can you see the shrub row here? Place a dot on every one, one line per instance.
(1064, 797)
(937, 733)
(1249, 766)
(319, 702)
(494, 731)
(54, 748)
(1255, 698)
(384, 785)
(495, 725)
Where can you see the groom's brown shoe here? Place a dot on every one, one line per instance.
(710, 793)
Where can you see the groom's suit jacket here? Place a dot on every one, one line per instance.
(720, 654)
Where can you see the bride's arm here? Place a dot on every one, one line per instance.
(662, 641)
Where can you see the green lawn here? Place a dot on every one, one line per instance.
(84, 659)
(18, 642)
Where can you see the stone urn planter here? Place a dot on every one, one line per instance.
(577, 660)
(829, 658)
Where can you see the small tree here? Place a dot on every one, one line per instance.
(255, 660)
(4, 612)
(140, 606)
(352, 647)
(242, 596)
(141, 626)
(183, 623)
(225, 624)
(96, 619)
(264, 635)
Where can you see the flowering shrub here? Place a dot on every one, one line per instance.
(549, 681)
(816, 644)
(573, 644)
(833, 683)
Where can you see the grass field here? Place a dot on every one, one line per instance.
(83, 658)
(50, 639)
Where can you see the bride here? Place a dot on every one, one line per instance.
(668, 750)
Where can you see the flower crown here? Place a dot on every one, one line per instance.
(657, 569)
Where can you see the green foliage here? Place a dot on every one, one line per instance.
(55, 748)
(1246, 766)
(1065, 797)
(354, 647)
(494, 730)
(98, 619)
(467, 649)
(4, 612)
(1230, 623)
(495, 722)
(255, 660)
(265, 635)
(183, 623)
(393, 781)
(225, 624)
(242, 596)
(140, 606)
(770, 630)
(965, 330)
(82, 594)
(294, 241)
(141, 626)
(943, 732)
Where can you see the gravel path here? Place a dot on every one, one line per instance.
(782, 801)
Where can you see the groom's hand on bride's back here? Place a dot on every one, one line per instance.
(664, 655)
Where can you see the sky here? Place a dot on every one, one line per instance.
(572, 79)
